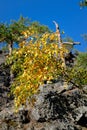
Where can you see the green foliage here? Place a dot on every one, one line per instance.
(39, 28)
(83, 3)
(77, 76)
(78, 73)
(12, 33)
(18, 31)
(39, 59)
(82, 60)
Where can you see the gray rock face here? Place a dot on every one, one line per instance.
(50, 103)
(4, 86)
(56, 108)
(67, 108)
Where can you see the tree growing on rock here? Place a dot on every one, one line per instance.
(40, 58)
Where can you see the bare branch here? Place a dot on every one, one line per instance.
(72, 43)
(58, 33)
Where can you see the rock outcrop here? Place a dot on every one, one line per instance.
(56, 108)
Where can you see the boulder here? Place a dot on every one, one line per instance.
(56, 108)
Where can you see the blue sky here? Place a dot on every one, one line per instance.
(67, 13)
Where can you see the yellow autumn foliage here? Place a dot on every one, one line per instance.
(33, 64)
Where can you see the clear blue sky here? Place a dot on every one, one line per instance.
(67, 13)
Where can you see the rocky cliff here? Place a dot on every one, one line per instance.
(56, 108)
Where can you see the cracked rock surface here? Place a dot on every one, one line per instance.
(55, 108)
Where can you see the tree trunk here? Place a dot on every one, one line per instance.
(10, 48)
(60, 44)
(61, 53)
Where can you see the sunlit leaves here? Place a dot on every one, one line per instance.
(40, 59)
(33, 64)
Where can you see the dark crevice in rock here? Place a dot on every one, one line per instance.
(55, 108)
(83, 120)
(24, 116)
